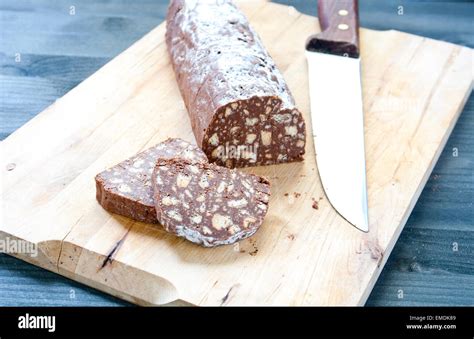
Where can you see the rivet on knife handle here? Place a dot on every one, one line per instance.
(339, 21)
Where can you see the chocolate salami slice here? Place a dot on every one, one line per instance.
(241, 110)
(208, 204)
(126, 188)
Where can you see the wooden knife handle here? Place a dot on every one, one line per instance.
(339, 20)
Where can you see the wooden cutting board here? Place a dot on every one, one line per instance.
(414, 91)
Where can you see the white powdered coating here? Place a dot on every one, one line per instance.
(209, 241)
(222, 18)
(229, 81)
(138, 163)
(124, 188)
(158, 180)
(116, 180)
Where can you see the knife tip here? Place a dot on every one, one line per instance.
(363, 225)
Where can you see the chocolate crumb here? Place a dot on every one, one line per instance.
(255, 248)
(315, 203)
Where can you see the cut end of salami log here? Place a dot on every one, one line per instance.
(241, 110)
(126, 188)
(207, 204)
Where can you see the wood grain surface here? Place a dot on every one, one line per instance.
(456, 270)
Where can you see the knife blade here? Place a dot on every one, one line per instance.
(336, 109)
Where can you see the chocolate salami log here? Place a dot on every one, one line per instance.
(126, 188)
(208, 204)
(241, 110)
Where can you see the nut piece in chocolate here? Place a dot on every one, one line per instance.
(208, 204)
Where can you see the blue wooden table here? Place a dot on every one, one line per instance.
(48, 47)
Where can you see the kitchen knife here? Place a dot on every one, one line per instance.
(336, 109)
